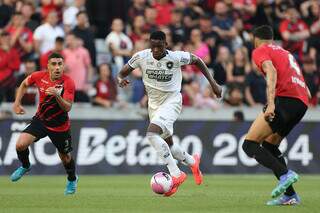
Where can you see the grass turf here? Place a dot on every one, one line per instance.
(219, 193)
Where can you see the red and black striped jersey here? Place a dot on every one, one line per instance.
(49, 111)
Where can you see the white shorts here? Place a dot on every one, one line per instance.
(165, 114)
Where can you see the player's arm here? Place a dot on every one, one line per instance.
(124, 72)
(17, 107)
(271, 78)
(204, 69)
(64, 104)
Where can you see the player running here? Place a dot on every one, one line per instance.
(287, 102)
(56, 98)
(162, 78)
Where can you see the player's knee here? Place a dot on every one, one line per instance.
(250, 147)
(65, 158)
(20, 146)
(152, 136)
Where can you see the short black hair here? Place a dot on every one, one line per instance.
(158, 35)
(238, 115)
(60, 39)
(55, 55)
(264, 32)
(81, 12)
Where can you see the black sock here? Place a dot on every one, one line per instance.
(71, 170)
(264, 157)
(23, 156)
(274, 150)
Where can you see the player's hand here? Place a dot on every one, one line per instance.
(18, 109)
(217, 90)
(123, 82)
(52, 91)
(269, 113)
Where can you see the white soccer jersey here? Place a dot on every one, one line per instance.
(165, 74)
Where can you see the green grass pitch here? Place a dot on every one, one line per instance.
(132, 193)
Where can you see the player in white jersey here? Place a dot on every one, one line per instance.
(162, 78)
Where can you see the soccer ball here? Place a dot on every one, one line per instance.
(161, 183)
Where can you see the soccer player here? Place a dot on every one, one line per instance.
(287, 101)
(161, 72)
(56, 98)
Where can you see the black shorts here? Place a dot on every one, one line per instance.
(61, 140)
(288, 113)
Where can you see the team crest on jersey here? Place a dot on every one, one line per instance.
(158, 64)
(169, 65)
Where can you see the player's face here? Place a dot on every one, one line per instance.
(55, 67)
(158, 48)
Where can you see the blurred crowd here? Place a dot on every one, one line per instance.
(97, 37)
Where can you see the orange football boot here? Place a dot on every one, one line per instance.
(177, 181)
(197, 175)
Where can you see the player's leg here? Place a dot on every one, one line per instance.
(33, 132)
(178, 153)
(290, 197)
(24, 141)
(63, 142)
(184, 157)
(258, 132)
(154, 133)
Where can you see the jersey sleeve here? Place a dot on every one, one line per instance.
(259, 56)
(69, 89)
(184, 58)
(32, 79)
(134, 62)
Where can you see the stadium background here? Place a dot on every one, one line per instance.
(98, 37)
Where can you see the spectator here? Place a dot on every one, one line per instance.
(234, 96)
(312, 78)
(20, 36)
(255, 88)
(198, 47)
(238, 116)
(71, 13)
(176, 27)
(294, 31)
(205, 99)
(30, 95)
(119, 44)
(314, 42)
(58, 47)
(240, 67)
(223, 24)
(6, 11)
(310, 11)
(82, 30)
(106, 87)
(151, 15)
(163, 9)
(210, 37)
(9, 63)
(192, 13)
(46, 34)
(79, 68)
(137, 9)
(222, 63)
(48, 6)
(29, 15)
(138, 27)
(246, 10)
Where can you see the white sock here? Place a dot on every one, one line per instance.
(182, 156)
(164, 153)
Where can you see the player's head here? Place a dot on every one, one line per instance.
(158, 44)
(262, 34)
(55, 65)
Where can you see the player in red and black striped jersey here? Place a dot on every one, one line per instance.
(56, 97)
(287, 102)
